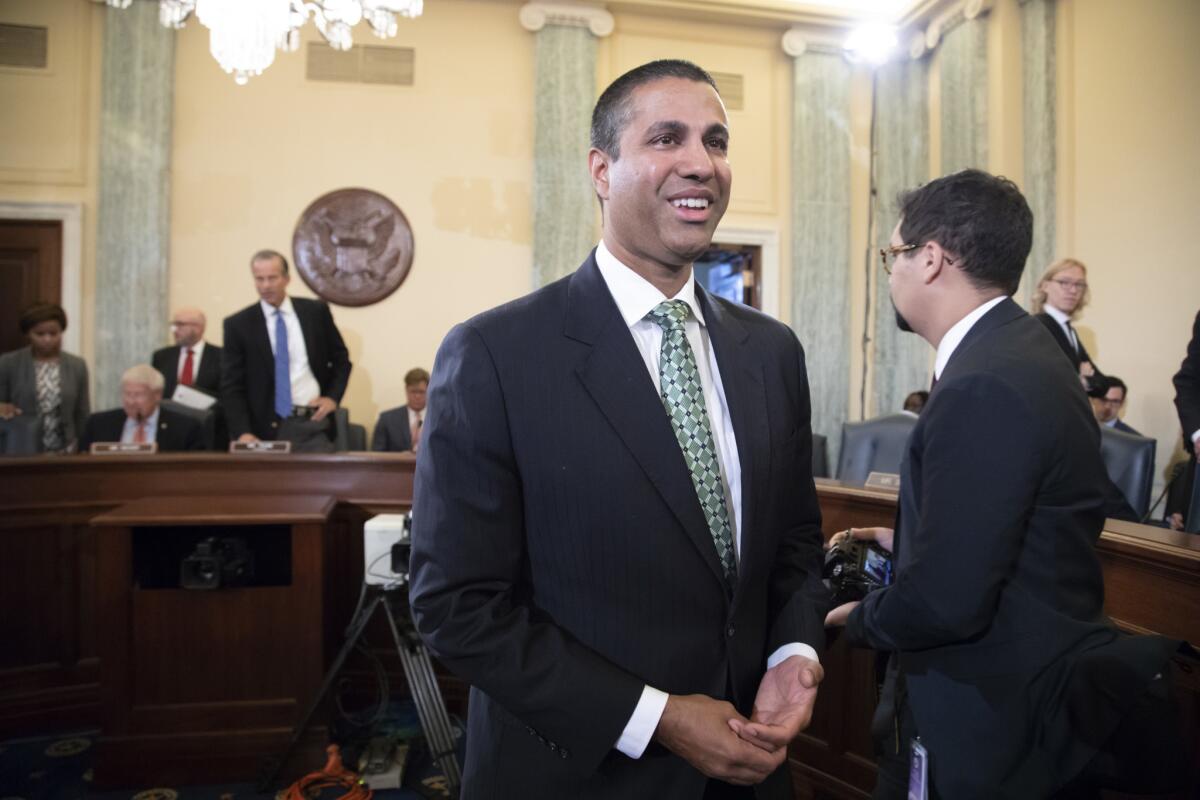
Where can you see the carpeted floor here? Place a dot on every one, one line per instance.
(60, 768)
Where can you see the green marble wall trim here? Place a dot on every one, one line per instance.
(964, 96)
(564, 204)
(1039, 134)
(820, 187)
(134, 192)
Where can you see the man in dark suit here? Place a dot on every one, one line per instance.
(399, 429)
(1003, 663)
(1187, 403)
(289, 392)
(622, 606)
(141, 419)
(1108, 408)
(191, 361)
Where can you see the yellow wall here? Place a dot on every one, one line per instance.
(455, 153)
(1132, 202)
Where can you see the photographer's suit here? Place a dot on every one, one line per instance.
(561, 559)
(1014, 677)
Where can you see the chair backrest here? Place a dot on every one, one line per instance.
(874, 445)
(820, 461)
(206, 417)
(21, 435)
(1192, 522)
(1129, 460)
(342, 436)
(357, 436)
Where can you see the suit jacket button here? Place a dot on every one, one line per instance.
(553, 746)
(730, 631)
(562, 753)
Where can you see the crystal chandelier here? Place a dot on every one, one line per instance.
(244, 34)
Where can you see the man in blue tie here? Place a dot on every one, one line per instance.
(284, 367)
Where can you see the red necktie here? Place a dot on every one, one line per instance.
(139, 435)
(185, 377)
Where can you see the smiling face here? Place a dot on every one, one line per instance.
(665, 194)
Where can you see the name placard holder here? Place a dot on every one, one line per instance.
(274, 448)
(883, 480)
(123, 448)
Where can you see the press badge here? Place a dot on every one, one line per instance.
(918, 772)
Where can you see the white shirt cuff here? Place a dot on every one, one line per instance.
(643, 723)
(791, 649)
(1196, 436)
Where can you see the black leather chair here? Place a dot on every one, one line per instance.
(1129, 460)
(347, 435)
(820, 462)
(1191, 522)
(206, 418)
(20, 436)
(875, 445)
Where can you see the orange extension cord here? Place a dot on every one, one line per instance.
(333, 775)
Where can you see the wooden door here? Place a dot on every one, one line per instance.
(30, 272)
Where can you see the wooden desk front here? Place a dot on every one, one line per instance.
(48, 581)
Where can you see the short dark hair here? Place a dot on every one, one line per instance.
(414, 376)
(612, 111)
(982, 220)
(38, 313)
(916, 401)
(1113, 380)
(263, 255)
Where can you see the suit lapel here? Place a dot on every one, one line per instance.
(741, 375)
(306, 315)
(260, 337)
(614, 374)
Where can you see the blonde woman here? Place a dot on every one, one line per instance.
(1062, 292)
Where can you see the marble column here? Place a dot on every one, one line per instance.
(964, 95)
(564, 204)
(133, 215)
(820, 189)
(901, 362)
(1039, 134)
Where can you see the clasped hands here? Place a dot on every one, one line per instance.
(714, 738)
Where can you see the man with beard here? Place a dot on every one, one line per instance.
(1005, 680)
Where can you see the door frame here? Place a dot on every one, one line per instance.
(71, 217)
(768, 242)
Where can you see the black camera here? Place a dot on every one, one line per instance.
(854, 568)
(217, 562)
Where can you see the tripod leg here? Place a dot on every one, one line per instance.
(431, 709)
(357, 626)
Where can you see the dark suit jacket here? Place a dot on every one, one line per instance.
(561, 559)
(248, 366)
(1064, 343)
(18, 385)
(206, 374)
(1187, 388)
(1121, 426)
(392, 432)
(996, 615)
(176, 432)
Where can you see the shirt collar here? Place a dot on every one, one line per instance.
(1058, 316)
(958, 332)
(151, 421)
(635, 296)
(269, 310)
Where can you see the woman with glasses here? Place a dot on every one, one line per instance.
(1062, 292)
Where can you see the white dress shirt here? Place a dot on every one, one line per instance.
(416, 417)
(1063, 321)
(151, 430)
(198, 353)
(305, 388)
(635, 298)
(958, 332)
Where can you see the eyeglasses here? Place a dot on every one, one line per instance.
(1068, 285)
(893, 252)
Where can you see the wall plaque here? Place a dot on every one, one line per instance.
(353, 247)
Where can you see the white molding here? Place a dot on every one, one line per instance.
(768, 241)
(71, 217)
(535, 16)
(797, 41)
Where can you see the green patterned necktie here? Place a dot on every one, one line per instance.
(683, 397)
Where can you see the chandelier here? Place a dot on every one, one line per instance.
(244, 34)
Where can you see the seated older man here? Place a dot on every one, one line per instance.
(141, 418)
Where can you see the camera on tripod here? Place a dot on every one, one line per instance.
(387, 546)
(854, 568)
(217, 562)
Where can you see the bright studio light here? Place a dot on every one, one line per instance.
(872, 42)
